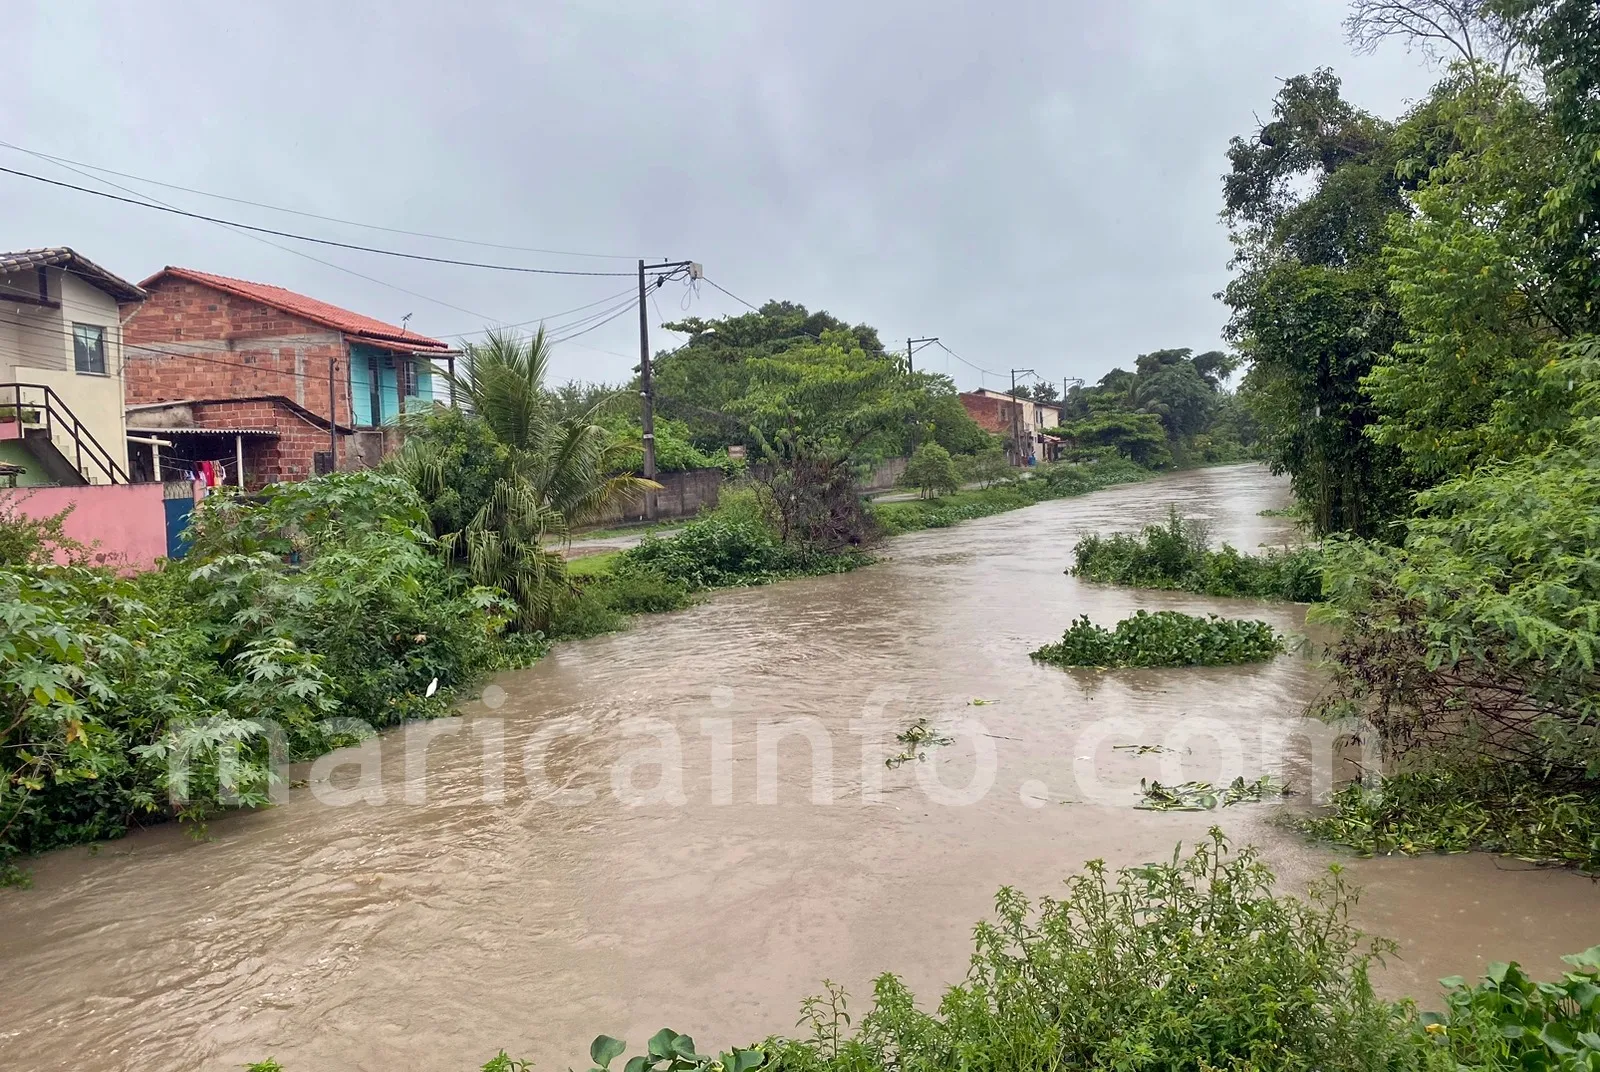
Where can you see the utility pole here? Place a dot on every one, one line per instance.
(909, 351)
(647, 413)
(333, 423)
(1016, 416)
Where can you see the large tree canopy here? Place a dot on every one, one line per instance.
(1162, 412)
(1308, 200)
(740, 378)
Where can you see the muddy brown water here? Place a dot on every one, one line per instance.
(479, 906)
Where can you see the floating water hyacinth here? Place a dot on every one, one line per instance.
(1203, 796)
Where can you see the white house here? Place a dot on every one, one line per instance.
(61, 368)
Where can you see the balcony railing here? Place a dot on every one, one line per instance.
(38, 406)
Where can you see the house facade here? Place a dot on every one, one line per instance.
(1021, 421)
(62, 369)
(265, 383)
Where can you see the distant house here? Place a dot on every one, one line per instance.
(271, 384)
(1021, 421)
(61, 369)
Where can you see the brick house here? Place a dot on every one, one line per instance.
(274, 385)
(1021, 418)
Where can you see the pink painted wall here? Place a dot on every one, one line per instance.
(124, 525)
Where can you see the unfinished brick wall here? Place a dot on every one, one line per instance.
(291, 455)
(216, 344)
(991, 414)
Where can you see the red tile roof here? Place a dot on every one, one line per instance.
(387, 336)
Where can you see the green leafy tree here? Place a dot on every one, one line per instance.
(1480, 306)
(700, 381)
(931, 471)
(988, 467)
(726, 373)
(1562, 39)
(1308, 200)
(1181, 390)
(1136, 436)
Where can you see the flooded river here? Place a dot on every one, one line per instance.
(691, 824)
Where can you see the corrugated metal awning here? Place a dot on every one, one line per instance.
(203, 431)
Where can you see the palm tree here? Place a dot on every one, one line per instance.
(559, 472)
(565, 457)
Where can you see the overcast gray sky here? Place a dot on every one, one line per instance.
(1035, 183)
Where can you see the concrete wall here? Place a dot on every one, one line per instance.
(124, 525)
(683, 494)
(37, 348)
(13, 452)
(885, 475)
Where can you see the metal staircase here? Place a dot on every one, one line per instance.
(67, 452)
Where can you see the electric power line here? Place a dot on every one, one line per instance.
(629, 307)
(305, 238)
(285, 249)
(539, 319)
(964, 361)
(64, 161)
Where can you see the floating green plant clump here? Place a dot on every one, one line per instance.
(1164, 638)
(916, 738)
(1203, 796)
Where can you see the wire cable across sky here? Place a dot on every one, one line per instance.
(524, 269)
(67, 161)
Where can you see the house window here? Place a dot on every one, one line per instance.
(89, 348)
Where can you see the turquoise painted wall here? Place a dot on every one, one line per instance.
(362, 359)
(360, 386)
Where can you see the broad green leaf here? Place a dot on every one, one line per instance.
(604, 1049)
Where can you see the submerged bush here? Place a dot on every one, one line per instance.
(1468, 805)
(726, 551)
(604, 603)
(1163, 638)
(1175, 555)
(712, 553)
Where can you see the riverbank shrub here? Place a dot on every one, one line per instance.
(1176, 555)
(1163, 638)
(604, 603)
(1465, 806)
(730, 551)
(135, 699)
(26, 540)
(1480, 631)
(1510, 1021)
(1193, 963)
(1060, 481)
